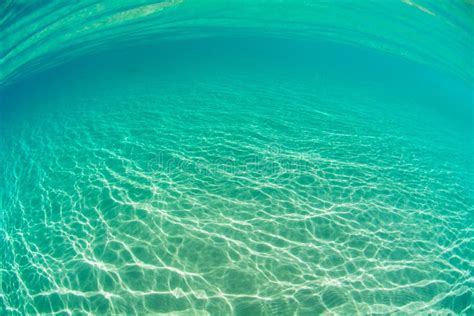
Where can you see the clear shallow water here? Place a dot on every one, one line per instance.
(247, 174)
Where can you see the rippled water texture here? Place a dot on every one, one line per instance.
(233, 157)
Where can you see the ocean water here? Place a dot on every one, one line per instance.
(236, 157)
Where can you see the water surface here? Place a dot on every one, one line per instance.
(241, 158)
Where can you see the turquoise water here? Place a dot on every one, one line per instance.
(260, 158)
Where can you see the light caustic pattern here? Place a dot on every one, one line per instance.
(221, 196)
